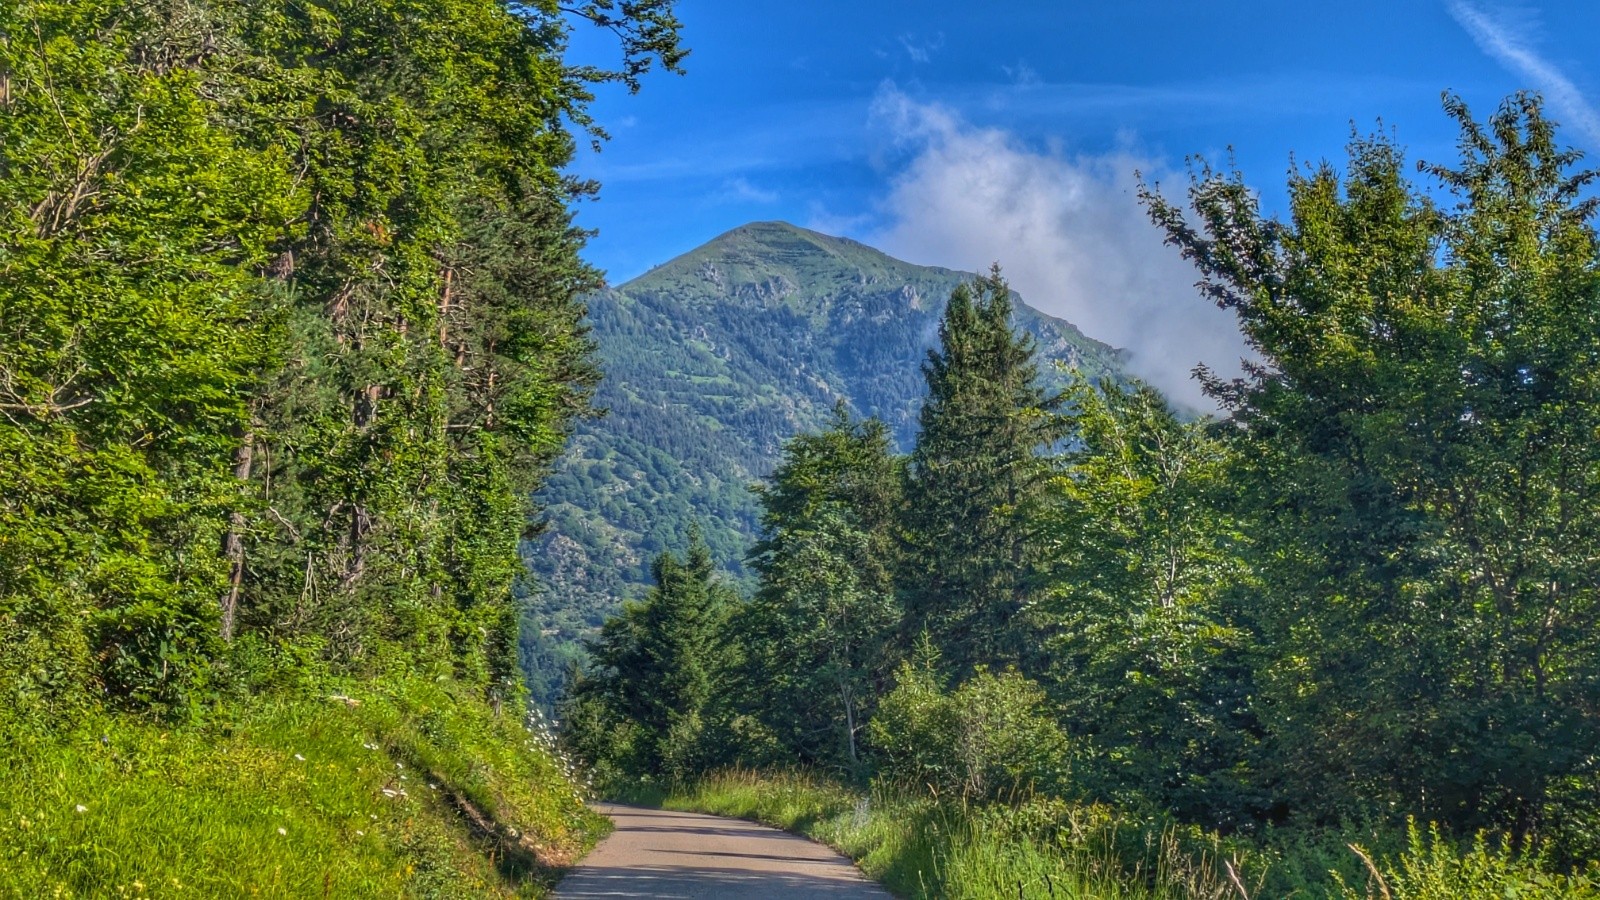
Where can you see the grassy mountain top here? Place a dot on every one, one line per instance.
(712, 361)
(775, 262)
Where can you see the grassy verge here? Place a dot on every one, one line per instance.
(920, 848)
(418, 790)
(1052, 849)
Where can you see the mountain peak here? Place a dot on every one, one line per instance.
(777, 261)
(780, 234)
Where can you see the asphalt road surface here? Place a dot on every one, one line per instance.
(685, 855)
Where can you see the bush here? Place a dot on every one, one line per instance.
(1432, 868)
(992, 737)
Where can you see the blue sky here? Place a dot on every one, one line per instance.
(953, 134)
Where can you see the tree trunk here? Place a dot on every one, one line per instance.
(233, 541)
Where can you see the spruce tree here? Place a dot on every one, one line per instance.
(819, 629)
(976, 473)
(662, 665)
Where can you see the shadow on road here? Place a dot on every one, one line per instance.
(686, 855)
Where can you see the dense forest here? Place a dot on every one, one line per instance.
(290, 330)
(1361, 595)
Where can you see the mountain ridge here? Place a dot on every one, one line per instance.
(713, 359)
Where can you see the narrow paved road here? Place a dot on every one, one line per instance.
(685, 855)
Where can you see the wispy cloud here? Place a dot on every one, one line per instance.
(1068, 230)
(1511, 45)
(740, 190)
(921, 49)
(1022, 74)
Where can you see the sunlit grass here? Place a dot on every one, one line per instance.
(1048, 848)
(418, 792)
(920, 848)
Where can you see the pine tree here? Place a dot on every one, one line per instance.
(978, 470)
(662, 665)
(818, 630)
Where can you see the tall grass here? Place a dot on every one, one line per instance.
(918, 847)
(1050, 848)
(415, 791)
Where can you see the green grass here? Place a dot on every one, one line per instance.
(1049, 848)
(418, 791)
(919, 848)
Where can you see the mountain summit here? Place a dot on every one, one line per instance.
(712, 361)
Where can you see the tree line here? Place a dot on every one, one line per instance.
(1364, 590)
(290, 329)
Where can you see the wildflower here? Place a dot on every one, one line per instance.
(360, 833)
(283, 831)
(299, 757)
(81, 808)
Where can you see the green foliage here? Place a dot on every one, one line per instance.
(291, 331)
(818, 631)
(1419, 476)
(993, 737)
(133, 326)
(1433, 868)
(974, 481)
(651, 703)
(1148, 658)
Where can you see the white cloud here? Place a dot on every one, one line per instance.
(1068, 231)
(1022, 75)
(1511, 47)
(740, 190)
(921, 50)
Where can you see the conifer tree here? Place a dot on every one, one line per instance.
(662, 665)
(977, 472)
(818, 630)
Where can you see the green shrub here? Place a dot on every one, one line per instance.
(992, 737)
(1434, 868)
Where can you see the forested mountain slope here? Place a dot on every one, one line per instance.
(712, 360)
